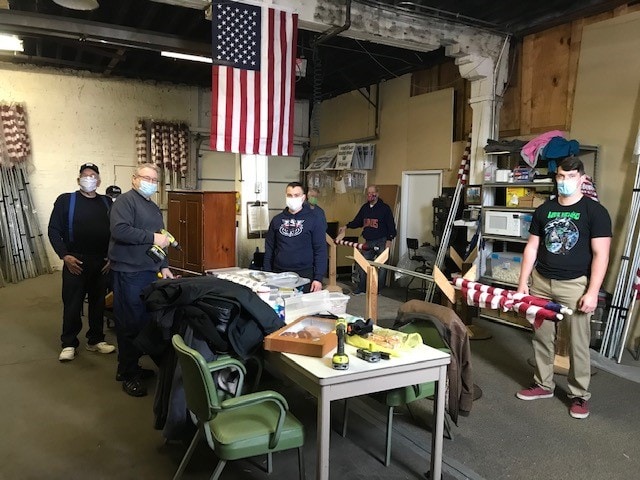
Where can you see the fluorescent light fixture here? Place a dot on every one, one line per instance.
(185, 56)
(11, 43)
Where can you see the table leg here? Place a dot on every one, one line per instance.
(324, 430)
(438, 433)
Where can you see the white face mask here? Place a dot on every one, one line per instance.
(294, 203)
(88, 184)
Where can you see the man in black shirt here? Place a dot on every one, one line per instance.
(566, 257)
(79, 234)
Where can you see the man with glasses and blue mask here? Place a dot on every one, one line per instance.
(135, 223)
(79, 234)
(296, 240)
(566, 256)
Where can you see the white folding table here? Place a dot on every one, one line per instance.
(316, 375)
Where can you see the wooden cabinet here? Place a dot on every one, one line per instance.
(204, 224)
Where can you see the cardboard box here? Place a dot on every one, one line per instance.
(308, 335)
(531, 200)
(514, 194)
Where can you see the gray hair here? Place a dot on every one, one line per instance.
(142, 166)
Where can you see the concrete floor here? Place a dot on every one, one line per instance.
(72, 421)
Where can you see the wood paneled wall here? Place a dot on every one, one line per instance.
(542, 78)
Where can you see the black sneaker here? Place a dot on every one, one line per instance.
(134, 388)
(143, 374)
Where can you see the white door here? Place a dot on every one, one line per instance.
(419, 188)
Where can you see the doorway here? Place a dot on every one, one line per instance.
(419, 188)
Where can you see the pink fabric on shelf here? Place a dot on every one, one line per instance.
(531, 151)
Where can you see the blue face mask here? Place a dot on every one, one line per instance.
(147, 188)
(567, 188)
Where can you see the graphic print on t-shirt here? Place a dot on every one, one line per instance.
(561, 234)
(291, 227)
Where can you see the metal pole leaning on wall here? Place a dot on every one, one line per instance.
(39, 243)
(619, 314)
(463, 173)
(446, 236)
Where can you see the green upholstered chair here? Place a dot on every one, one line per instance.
(404, 396)
(239, 427)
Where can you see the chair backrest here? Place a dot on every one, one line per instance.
(412, 244)
(199, 387)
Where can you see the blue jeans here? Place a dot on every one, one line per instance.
(131, 317)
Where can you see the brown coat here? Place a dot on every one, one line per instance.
(459, 372)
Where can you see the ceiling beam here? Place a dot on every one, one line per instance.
(98, 33)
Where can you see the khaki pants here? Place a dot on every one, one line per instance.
(576, 328)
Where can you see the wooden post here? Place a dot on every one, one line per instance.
(333, 259)
(371, 309)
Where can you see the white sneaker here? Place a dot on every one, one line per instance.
(101, 347)
(67, 354)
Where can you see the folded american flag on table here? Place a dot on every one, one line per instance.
(252, 79)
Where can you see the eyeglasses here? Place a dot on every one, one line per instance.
(91, 175)
(148, 179)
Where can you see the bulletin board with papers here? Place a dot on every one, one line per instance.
(257, 219)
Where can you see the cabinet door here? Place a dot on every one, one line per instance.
(175, 225)
(193, 232)
(219, 241)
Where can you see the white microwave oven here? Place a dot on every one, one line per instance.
(508, 224)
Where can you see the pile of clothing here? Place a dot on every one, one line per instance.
(214, 317)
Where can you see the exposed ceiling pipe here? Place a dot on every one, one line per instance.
(335, 30)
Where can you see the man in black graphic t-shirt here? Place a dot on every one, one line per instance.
(570, 240)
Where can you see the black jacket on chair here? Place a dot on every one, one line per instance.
(216, 316)
(194, 299)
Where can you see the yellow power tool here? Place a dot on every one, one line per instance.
(340, 360)
(157, 252)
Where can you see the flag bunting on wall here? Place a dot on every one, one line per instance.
(253, 75)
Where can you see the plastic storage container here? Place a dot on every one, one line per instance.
(525, 223)
(504, 267)
(338, 302)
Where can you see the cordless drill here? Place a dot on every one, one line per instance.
(157, 253)
(340, 360)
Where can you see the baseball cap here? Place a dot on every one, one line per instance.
(92, 166)
(113, 191)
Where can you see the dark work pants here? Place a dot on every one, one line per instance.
(131, 317)
(91, 283)
(370, 255)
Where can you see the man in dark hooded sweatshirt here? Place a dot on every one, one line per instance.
(296, 240)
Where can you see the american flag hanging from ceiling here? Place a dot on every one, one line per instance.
(253, 79)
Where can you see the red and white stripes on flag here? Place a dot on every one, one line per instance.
(463, 171)
(534, 309)
(253, 79)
